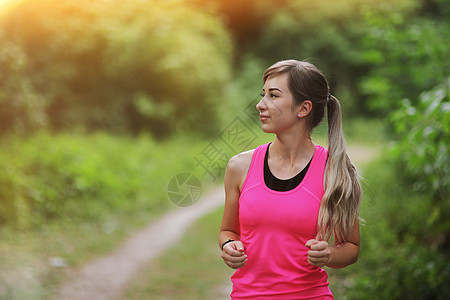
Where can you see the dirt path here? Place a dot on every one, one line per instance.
(105, 277)
(362, 154)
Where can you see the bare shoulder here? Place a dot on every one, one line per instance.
(240, 162)
(238, 166)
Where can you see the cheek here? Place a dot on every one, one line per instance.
(284, 114)
(279, 110)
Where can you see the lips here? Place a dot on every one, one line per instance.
(263, 117)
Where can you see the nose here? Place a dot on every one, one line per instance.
(261, 105)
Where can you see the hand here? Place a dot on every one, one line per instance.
(233, 255)
(319, 253)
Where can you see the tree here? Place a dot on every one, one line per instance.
(123, 65)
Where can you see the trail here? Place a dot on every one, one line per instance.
(362, 154)
(105, 278)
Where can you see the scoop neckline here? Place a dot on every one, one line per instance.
(300, 185)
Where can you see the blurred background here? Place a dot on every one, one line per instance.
(102, 102)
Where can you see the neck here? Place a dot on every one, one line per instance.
(292, 147)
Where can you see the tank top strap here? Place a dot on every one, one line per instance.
(256, 168)
(317, 170)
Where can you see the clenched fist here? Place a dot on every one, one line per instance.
(233, 255)
(319, 253)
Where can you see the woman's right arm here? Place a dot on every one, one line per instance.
(233, 252)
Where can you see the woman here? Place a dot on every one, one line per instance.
(285, 200)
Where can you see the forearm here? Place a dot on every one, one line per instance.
(343, 255)
(225, 235)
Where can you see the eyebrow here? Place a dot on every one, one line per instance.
(274, 89)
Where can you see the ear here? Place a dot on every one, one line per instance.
(304, 109)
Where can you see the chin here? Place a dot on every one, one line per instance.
(267, 129)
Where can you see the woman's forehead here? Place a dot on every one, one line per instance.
(278, 81)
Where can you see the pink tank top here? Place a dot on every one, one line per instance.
(274, 229)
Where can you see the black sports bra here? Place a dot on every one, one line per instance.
(282, 185)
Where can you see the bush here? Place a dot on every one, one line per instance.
(405, 246)
(422, 150)
(405, 57)
(85, 178)
(399, 258)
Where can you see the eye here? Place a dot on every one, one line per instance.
(272, 95)
(262, 94)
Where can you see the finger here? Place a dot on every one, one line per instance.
(232, 252)
(238, 246)
(311, 242)
(312, 262)
(234, 248)
(322, 245)
(235, 259)
(317, 259)
(237, 265)
(314, 253)
(232, 258)
(315, 264)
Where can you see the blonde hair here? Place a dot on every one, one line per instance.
(339, 208)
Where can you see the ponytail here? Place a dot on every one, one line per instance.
(339, 209)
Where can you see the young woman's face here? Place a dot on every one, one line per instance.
(276, 108)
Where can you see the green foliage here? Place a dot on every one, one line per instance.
(406, 56)
(372, 51)
(101, 64)
(49, 177)
(21, 107)
(422, 150)
(405, 246)
(329, 34)
(400, 256)
(164, 66)
(244, 92)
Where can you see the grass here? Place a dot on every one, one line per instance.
(26, 256)
(124, 183)
(192, 269)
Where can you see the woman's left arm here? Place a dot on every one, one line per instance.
(339, 256)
